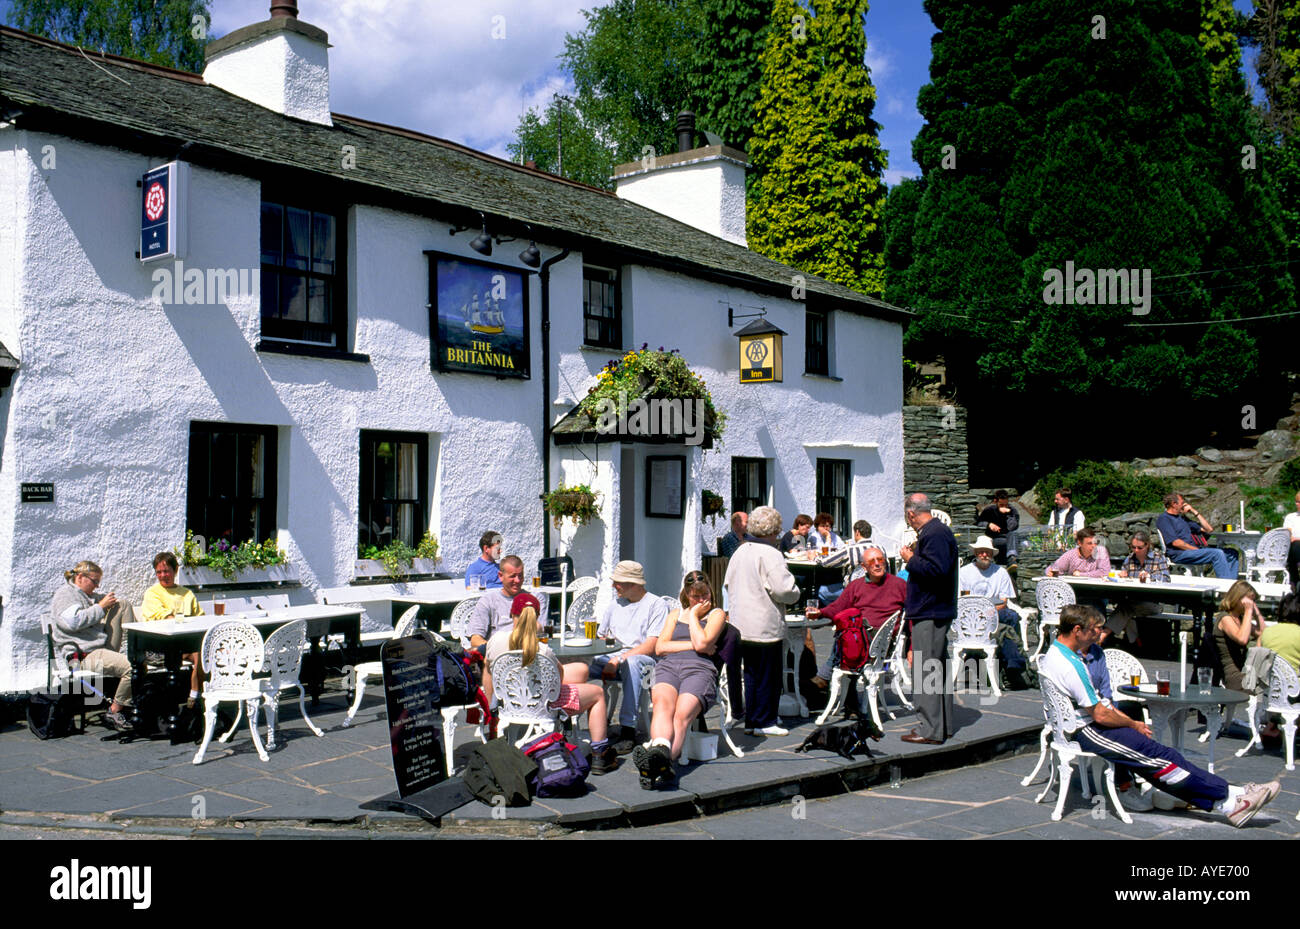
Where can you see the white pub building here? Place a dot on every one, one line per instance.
(224, 308)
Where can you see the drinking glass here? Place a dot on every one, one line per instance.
(1135, 680)
(218, 608)
(589, 628)
(1162, 683)
(537, 581)
(826, 550)
(482, 585)
(1203, 676)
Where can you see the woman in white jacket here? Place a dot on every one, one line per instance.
(759, 585)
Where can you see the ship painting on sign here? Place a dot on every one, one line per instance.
(486, 318)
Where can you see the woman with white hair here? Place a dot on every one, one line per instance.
(759, 585)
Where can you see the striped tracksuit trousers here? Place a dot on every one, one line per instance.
(1159, 764)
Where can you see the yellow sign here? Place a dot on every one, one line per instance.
(760, 358)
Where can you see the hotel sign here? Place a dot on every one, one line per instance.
(164, 204)
(760, 353)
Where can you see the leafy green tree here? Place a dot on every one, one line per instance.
(1274, 31)
(1048, 141)
(1220, 26)
(725, 68)
(560, 131)
(818, 197)
(164, 32)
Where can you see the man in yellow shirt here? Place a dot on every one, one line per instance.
(168, 600)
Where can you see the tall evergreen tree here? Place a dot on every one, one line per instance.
(818, 197)
(725, 67)
(1275, 34)
(1220, 25)
(1096, 142)
(165, 32)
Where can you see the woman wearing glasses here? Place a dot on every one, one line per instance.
(88, 628)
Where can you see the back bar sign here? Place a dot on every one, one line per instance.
(38, 493)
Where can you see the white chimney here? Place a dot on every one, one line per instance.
(702, 187)
(281, 64)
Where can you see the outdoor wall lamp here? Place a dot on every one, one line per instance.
(482, 243)
(529, 256)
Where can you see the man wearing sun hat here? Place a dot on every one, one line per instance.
(635, 619)
(983, 578)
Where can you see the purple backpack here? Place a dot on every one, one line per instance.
(561, 769)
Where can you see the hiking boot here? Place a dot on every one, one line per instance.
(603, 762)
(626, 741)
(117, 720)
(1254, 799)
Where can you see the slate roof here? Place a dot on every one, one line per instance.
(155, 110)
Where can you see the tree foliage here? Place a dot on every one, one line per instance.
(1046, 143)
(1274, 32)
(725, 67)
(164, 32)
(542, 135)
(818, 196)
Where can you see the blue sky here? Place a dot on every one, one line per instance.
(434, 65)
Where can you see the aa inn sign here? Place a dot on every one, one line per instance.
(478, 317)
(164, 199)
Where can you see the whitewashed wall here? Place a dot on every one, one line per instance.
(111, 379)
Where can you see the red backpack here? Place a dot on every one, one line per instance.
(851, 642)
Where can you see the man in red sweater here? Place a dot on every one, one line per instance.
(876, 597)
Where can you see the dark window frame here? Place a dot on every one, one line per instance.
(741, 503)
(608, 326)
(817, 343)
(333, 335)
(370, 440)
(840, 506)
(201, 497)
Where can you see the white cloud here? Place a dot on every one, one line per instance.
(901, 106)
(879, 61)
(433, 65)
(892, 177)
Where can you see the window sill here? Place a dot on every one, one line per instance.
(310, 351)
(822, 377)
(584, 347)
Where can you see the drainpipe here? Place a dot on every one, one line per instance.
(545, 277)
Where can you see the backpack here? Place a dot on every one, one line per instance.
(561, 769)
(498, 769)
(455, 683)
(851, 643)
(53, 716)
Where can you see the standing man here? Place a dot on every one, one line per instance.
(1292, 522)
(1000, 521)
(485, 567)
(635, 618)
(1066, 515)
(728, 544)
(1184, 546)
(983, 578)
(1099, 727)
(1148, 567)
(931, 606)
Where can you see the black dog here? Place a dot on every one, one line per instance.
(846, 738)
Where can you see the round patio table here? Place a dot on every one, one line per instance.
(569, 652)
(792, 702)
(1171, 711)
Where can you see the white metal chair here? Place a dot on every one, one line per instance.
(368, 669)
(283, 658)
(524, 693)
(1186, 570)
(942, 516)
(1270, 556)
(726, 720)
(900, 670)
(232, 652)
(1024, 615)
(582, 607)
(871, 674)
(1121, 666)
(1283, 684)
(459, 620)
(60, 678)
(1059, 710)
(1053, 596)
(581, 584)
(974, 630)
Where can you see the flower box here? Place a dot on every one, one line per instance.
(209, 577)
(373, 567)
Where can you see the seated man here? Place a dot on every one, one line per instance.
(1184, 546)
(485, 566)
(1100, 728)
(492, 612)
(635, 618)
(876, 597)
(728, 544)
(999, 520)
(90, 630)
(1086, 559)
(796, 540)
(983, 578)
(1146, 565)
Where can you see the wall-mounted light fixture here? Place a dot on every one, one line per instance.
(481, 243)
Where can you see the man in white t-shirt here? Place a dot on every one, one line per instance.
(1292, 522)
(635, 619)
(1099, 727)
(983, 578)
(1066, 515)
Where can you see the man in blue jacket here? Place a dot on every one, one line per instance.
(931, 606)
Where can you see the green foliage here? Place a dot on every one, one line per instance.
(711, 506)
(399, 558)
(1102, 490)
(1043, 145)
(650, 374)
(1220, 25)
(542, 136)
(1267, 506)
(725, 71)
(1274, 32)
(1288, 477)
(577, 502)
(818, 198)
(159, 31)
(226, 558)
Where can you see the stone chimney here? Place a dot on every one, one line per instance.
(281, 64)
(702, 187)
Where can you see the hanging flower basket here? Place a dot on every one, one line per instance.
(577, 503)
(711, 507)
(650, 374)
